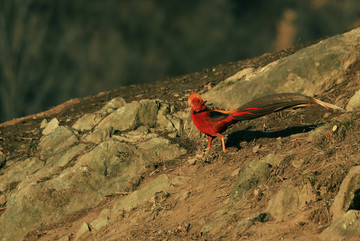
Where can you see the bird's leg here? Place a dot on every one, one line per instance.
(222, 141)
(210, 138)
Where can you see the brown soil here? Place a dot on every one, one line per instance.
(210, 181)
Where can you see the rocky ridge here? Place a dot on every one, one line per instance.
(129, 168)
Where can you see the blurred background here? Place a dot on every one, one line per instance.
(52, 51)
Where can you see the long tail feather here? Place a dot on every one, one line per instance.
(328, 105)
(273, 103)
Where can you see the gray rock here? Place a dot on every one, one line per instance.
(159, 149)
(348, 195)
(132, 115)
(306, 71)
(43, 123)
(88, 121)
(255, 173)
(343, 227)
(55, 164)
(2, 159)
(59, 140)
(217, 225)
(113, 105)
(84, 232)
(99, 135)
(184, 125)
(102, 220)
(244, 224)
(318, 135)
(160, 184)
(65, 238)
(51, 127)
(354, 102)
(290, 199)
(19, 171)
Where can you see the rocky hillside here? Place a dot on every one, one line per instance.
(130, 165)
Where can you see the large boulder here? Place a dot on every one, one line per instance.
(289, 200)
(132, 115)
(348, 196)
(343, 227)
(354, 102)
(309, 71)
(59, 140)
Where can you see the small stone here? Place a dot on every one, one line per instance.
(297, 163)
(256, 149)
(192, 161)
(65, 238)
(51, 127)
(335, 127)
(236, 172)
(43, 124)
(172, 135)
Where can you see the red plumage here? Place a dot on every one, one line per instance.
(214, 122)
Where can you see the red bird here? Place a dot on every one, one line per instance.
(214, 122)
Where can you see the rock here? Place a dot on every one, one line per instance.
(132, 115)
(192, 161)
(2, 159)
(254, 174)
(348, 196)
(99, 135)
(244, 224)
(51, 127)
(343, 227)
(43, 124)
(256, 148)
(57, 162)
(138, 197)
(159, 149)
(88, 122)
(19, 171)
(236, 172)
(354, 102)
(65, 238)
(141, 134)
(3, 199)
(166, 120)
(217, 225)
(83, 232)
(66, 157)
(184, 125)
(288, 200)
(309, 71)
(113, 105)
(59, 140)
(102, 220)
(109, 167)
(318, 135)
(297, 163)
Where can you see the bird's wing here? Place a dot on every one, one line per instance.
(215, 115)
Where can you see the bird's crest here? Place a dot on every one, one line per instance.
(196, 102)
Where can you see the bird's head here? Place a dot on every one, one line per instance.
(196, 103)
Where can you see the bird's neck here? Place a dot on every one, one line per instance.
(199, 108)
